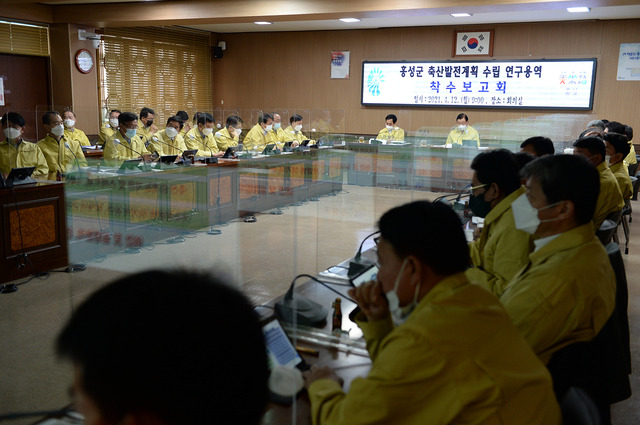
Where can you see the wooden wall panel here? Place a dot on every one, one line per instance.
(290, 70)
(85, 86)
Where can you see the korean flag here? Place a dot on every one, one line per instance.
(473, 43)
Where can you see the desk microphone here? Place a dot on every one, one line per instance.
(359, 264)
(127, 145)
(301, 309)
(159, 139)
(209, 160)
(74, 155)
(456, 196)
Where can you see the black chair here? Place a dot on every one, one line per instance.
(625, 219)
(633, 168)
(606, 231)
(578, 409)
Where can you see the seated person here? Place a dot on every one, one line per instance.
(185, 120)
(538, 146)
(567, 292)
(201, 137)
(453, 356)
(256, 139)
(276, 135)
(18, 153)
(391, 131)
(501, 250)
(616, 127)
(293, 133)
(108, 129)
(169, 141)
(136, 361)
(70, 130)
(61, 152)
(617, 148)
(229, 136)
(145, 128)
(463, 132)
(610, 198)
(125, 143)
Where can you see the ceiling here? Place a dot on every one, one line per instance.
(229, 16)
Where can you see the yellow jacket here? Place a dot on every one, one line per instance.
(565, 294)
(78, 136)
(144, 133)
(456, 136)
(631, 158)
(276, 136)
(609, 199)
(59, 157)
(224, 139)
(162, 144)
(290, 135)
(27, 154)
(396, 134)
(621, 173)
(206, 145)
(457, 359)
(501, 250)
(106, 131)
(116, 153)
(255, 138)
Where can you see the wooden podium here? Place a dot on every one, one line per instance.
(33, 222)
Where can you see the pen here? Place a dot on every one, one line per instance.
(306, 350)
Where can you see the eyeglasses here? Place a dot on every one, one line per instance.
(471, 189)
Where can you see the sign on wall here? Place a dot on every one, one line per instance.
(534, 84)
(629, 62)
(340, 64)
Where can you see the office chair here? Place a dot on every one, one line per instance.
(606, 230)
(578, 408)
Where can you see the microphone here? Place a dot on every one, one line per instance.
(158, 139)
(301, 309)
(127, 145)
(74, 155)
(211, 159)
(359, 264)
(455, 196)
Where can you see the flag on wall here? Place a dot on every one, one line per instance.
(476, 43)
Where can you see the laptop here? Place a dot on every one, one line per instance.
(21, 175)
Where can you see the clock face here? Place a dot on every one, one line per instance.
(84, 61)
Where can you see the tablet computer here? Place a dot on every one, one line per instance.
(168, 159)
(269, 149)
(305, 142)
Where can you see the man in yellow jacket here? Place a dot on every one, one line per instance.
(18, 153)
(63, 153)
(256, 139)
(109, 128)
(228, 136)
(125, 143)
(453, 356)
(566, 292)
(146, 129)
(501, 250)
(293, 133)
(618, 127)
(70, 130)
(276, 135)
(168, 141)
(617, 148)
(463, 133)
(201, 137)
(610, 198)
(391, 130)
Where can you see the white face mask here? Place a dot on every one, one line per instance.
(69, 123)
(297, 127)
(238, 131)
(607, 158)
(525, 216)
(207, 131)
(113, 122)
(269, 127)
(277, 125)
(462, 127)
(389, 127)
(171, 132)
(400, 314)
(11, 133)
(58, 130)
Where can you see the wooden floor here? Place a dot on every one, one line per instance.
(260, 257)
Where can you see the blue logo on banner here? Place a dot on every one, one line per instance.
(472, 43)
(373, 81)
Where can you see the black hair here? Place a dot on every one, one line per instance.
(605, 121)
(595, 145)
(263, 118)
(196, 115)
(69, 110)
(498, 166)
(114, 110)
(619, 142)
(434, 235)
(628, 131)
(615, 127)
(233, 120)
(181, 345)
(183, 115)
(126, 117)
(541, 145)
(391, 117)
(294, 118)
(14, 117)
(204, 117)
(144, 112)
(46, 118)
(177, 119)
(523, 158)
(567, 178)
(461, 116)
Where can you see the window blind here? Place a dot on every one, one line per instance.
(164, 69)
(24, 39)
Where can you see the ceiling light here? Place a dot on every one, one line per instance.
(578, 9)
(461, 15)
(262, 23)
(350, 20)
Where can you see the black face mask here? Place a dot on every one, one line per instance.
(149, 123)
(479, 206)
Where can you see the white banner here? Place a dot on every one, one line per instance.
(629, 62)
(541, 84)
